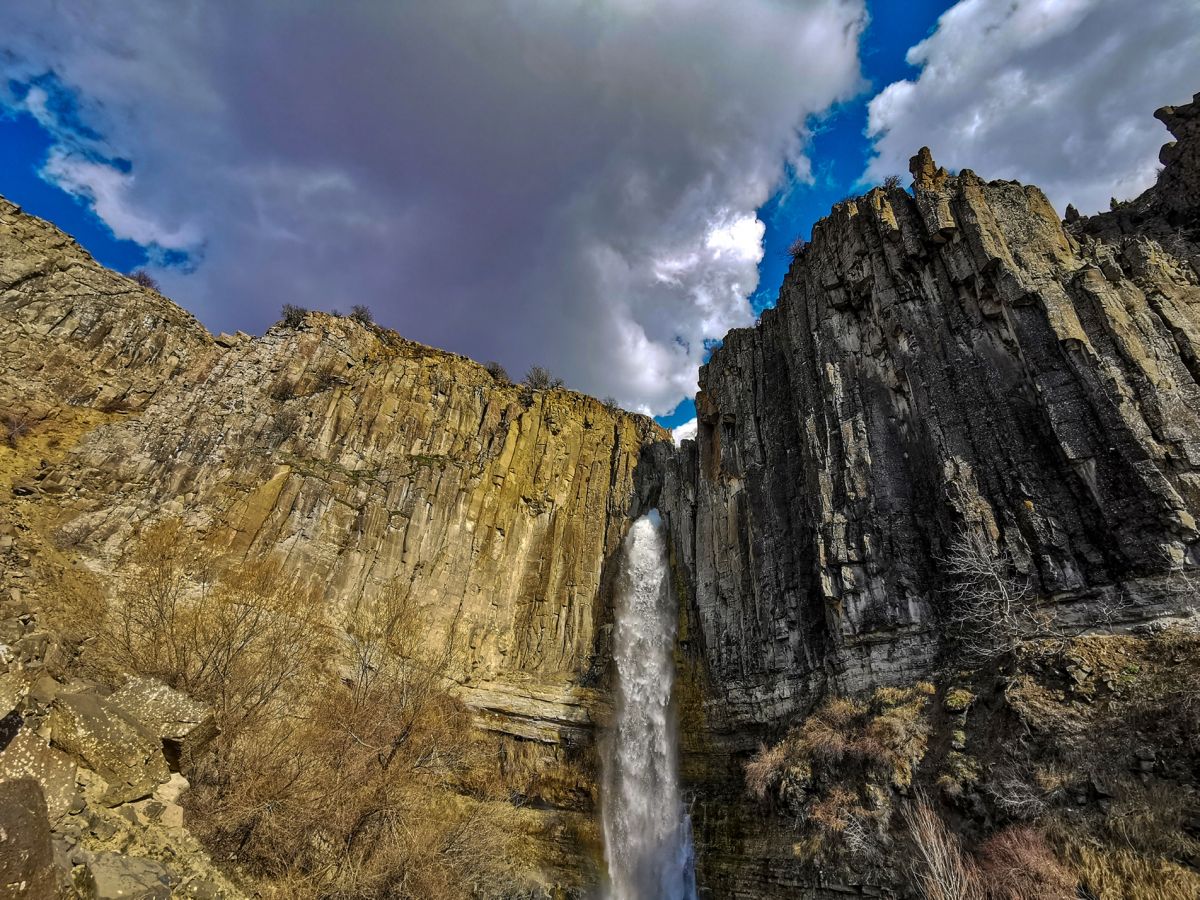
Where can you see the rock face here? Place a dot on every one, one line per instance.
(355, 457)
(75, 332)
(946, 362)
(1178, 187)
(950, 361)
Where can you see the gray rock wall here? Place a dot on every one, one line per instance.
(943, 361)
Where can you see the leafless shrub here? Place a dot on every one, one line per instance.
(344, 768)
(892, 182)
(285, 423)
(540, 379)
(325, 379)
(283, 390)
(292, 316)
(938, 864)
(610, 403)
(145, 279)
(498, 372)
(16, 426)
(1018, 864)
(362, 315)
(1017, 797)
(236, 641)
(993, 609)
(797, 248)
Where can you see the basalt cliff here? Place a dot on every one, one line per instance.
(947, 361)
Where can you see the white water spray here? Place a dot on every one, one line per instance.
(647, 834)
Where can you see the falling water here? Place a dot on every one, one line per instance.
(647, 834)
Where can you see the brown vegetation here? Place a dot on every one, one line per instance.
(343, 768)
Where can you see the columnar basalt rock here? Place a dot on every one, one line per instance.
(946, 361)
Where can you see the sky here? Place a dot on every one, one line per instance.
(601, 187)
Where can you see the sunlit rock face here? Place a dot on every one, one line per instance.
(359, 459)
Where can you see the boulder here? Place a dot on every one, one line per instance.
(111, 876)
(183, 725)
(121, 750)
(28, 756)
(26, 855)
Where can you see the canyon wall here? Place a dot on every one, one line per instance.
(949, 361)
(357, 458)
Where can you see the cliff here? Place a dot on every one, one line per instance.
(951, 362)
(359, 460)
(942, 362)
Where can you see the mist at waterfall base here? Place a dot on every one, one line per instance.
(647, 833)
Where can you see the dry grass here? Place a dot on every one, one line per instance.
(1018, 864)
(938, 865)
(344, 768)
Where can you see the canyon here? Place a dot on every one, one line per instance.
(946, 361)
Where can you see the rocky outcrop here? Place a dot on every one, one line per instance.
(1178, 188)
(357, 459)
(75, 332)
(943, 362)
(88, 806)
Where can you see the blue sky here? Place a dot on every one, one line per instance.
(840, 151)
(593, 187)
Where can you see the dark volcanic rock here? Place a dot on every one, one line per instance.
(942, 362)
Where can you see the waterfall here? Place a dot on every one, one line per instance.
(647, 834)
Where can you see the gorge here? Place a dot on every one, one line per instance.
(950, 361)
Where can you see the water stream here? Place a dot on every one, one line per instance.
(647, 834)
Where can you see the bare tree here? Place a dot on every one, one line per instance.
(145, 279)
(498, 372)
(16, 426)
(992, 610)
(797, 247)
(540, 379)
(362, 315)
(292, 316)
(892, 182)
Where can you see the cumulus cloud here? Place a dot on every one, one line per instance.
(1059, 93)
(559, 182)
(684, 432)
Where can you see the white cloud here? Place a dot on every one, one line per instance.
(684, 432)
(1058, 93)
(108, 190)
(558, 182)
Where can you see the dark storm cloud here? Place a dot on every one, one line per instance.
(570, 183)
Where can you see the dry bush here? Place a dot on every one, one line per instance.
(363, 795)
(292, 316)
(993, 609)
(498, 372)
(239, 640)
(765, 769)
(16, 426)
(1109, 874)
(797, 248)
(892, 182)
(1018, 864)
(362, 315)
(343, 768)
(145, 279)
(540, 379)
(938, 864)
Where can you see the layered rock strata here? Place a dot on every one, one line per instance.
(946, 361)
